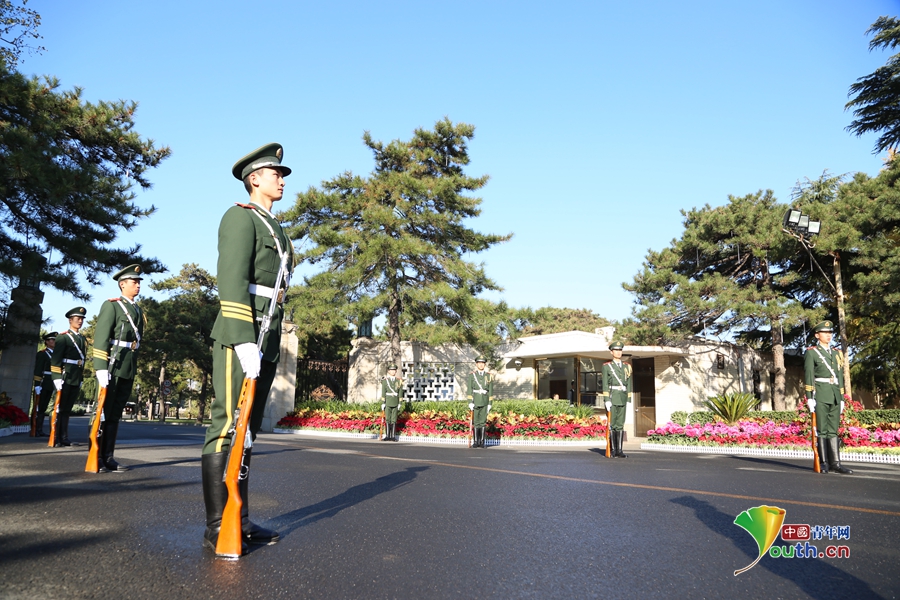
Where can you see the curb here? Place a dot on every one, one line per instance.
(802, 454)
(436, 440)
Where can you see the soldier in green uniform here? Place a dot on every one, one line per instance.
(391, 388)
(117, 338)
(255, 262)
(480, 388)
(43, 382)
(824, 378)
(616, 395)
(67, 370)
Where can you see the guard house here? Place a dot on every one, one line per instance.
(666, 379)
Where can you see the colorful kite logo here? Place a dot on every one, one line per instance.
(764, 524)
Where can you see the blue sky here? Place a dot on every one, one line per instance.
(597, 121)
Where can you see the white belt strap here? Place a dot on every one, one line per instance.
(618, 387)
(48, 373)
(72, 361)
(261, 290)
(125, 344)
(826, 380)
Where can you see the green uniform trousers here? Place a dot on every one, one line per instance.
(617, 417)
(228, 376)
(390, 414)
(117, 394)
(479, 415)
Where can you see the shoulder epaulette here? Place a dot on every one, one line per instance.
(811, 348)
(112, 299)
(243, 205)
(609, 362)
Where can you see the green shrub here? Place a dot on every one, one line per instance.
(731, 407)
(877, 417)
(459, 409)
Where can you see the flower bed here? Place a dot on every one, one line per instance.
(793, 433)
(13, 414)
(432, 423)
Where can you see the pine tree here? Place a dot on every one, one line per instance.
(877, 102)
(733, 272)
(67, 168)
(396, 242)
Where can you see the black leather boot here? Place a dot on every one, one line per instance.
(394, 437)
(620, 435)
(111, 431)
(479, 434)
(101, 463)
(40, 426)
(253, 533)
(823, 454)
(215, 496)
(835, 457)
(62, 431)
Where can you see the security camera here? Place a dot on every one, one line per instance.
(518, 362)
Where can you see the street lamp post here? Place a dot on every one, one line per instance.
(802, 228)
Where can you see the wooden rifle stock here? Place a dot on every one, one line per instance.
(93, 463)
(230, 539)
(817, 467)
(34, 411)
(608, 434)
(383, 423)
(471, 426)
(53, 417)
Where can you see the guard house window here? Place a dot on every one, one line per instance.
(720, 361)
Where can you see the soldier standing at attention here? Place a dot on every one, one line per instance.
(43, 382)
(253, 250)
(480, 387)
(390, 403)
(616, 395)
(67, 370)
(117, 338)
(824, 378)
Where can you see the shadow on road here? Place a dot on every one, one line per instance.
(816, 577)
(290, 522)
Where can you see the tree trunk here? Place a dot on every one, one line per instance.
(394, 327)
(842, 322)
(162, 396)
(778, 394)
(201, 403)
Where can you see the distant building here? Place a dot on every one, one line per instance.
(666, 379)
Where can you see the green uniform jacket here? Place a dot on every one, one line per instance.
(614, 377)
(116, 335)
(480, 388)
(391, 389)
(67, 362)
(42, 374)
(245, 240)
(820, 362)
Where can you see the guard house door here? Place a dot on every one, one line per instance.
(644, 383)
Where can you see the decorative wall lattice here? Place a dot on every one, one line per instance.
(428, 381)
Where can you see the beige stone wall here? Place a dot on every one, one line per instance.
(281, 396)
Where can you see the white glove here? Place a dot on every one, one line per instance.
(471, 406)
(811, 404)
(57, 383)
(250, 357)
(103, 378)
(37, 390)
(842, 407)
(382, 406)
(608, 406)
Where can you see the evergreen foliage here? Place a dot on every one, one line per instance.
(732, 272)
(396, 243)
(877, 96)
(67, 168)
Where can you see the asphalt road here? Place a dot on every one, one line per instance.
(368, 519)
